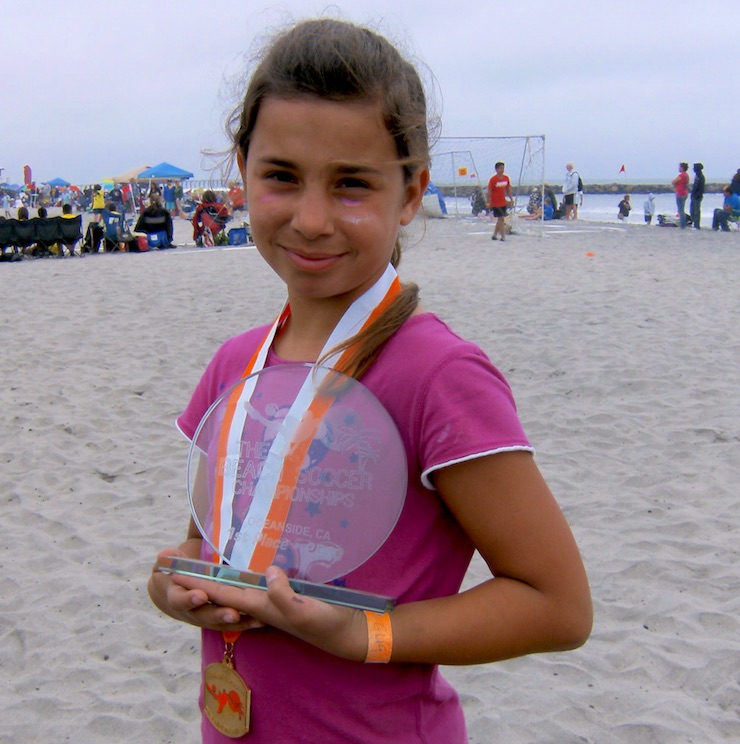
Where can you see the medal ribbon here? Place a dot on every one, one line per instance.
(264, 523)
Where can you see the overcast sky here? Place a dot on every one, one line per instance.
(92, 89)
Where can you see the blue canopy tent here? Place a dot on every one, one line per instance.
(58, 182)
(165, 170)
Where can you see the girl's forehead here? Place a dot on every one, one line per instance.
(346, 133)
(370, 109)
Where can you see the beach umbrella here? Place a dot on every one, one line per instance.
(58, 182)
(131, 173)
(165, 170)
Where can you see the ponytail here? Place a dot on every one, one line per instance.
(369, 342)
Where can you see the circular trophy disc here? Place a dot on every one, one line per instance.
(298, 466)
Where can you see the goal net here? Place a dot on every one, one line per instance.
(462, 166)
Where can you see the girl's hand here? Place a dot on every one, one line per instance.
(341, 631)
(194, 606)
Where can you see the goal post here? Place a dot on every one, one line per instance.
(461, 166)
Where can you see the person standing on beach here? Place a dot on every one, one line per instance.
(570, 192)
(649, 207)
(98, 203)
(681, 186)
(625, 207)
(135, 196)
(697, 194)
(116, 196)
(168, 194)
(499, 197)
(332, 143)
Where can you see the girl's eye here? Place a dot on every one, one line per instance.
(353, 183)
(280, 176)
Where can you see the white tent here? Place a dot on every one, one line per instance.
(132, 175)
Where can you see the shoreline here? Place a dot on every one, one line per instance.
(613, 187)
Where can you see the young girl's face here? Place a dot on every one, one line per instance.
(326, 194)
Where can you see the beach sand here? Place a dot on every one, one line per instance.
(624, 365)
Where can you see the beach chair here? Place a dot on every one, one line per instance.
(158, 225)
(157, 240)
(208, 221)
(46, 232)
(70, 232)
(6, 242)
(93, 238)
(117, 235)
(23, 234)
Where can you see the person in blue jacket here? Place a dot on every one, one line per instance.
(730, 210)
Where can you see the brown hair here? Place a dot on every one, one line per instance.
(339, 61)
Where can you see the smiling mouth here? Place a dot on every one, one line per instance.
(312, 262)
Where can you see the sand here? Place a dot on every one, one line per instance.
(625, 368)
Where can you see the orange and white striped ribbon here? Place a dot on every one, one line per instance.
(262, 528)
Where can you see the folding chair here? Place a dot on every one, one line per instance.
(6, 241)
(23, 233)
(70, 230)
(46, 231)
(93, 237)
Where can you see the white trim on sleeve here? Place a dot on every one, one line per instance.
(177, 426)
(427, 483)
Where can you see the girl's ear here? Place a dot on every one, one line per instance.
(415, 189)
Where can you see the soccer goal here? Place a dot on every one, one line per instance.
(462, 166)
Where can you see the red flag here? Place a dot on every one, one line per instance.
(623, 169)
(27, 175)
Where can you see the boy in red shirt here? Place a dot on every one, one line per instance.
(499, 197)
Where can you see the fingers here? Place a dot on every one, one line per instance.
(282, 595)
(210, 604)
(196, 607)
(190, 601)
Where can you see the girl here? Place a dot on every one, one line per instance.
(332, 145)
(98, 203)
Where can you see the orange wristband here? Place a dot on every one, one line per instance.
(379, 637)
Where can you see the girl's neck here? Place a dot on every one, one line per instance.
(307, 329)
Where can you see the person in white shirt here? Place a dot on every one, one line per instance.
(570, 191)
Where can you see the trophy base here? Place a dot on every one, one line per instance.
(224, 574)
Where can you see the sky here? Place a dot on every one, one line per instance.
(93, 89)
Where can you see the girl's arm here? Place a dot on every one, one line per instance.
(539, 600)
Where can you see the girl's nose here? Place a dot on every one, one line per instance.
(312, 216)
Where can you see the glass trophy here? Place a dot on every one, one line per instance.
(297, 466)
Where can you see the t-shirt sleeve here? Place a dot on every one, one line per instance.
(467, 411)
(204, 394)
(226, 368)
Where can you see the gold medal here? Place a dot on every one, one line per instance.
(226, 697)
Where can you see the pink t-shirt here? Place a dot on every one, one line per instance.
(450, 404)
(682, 185)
